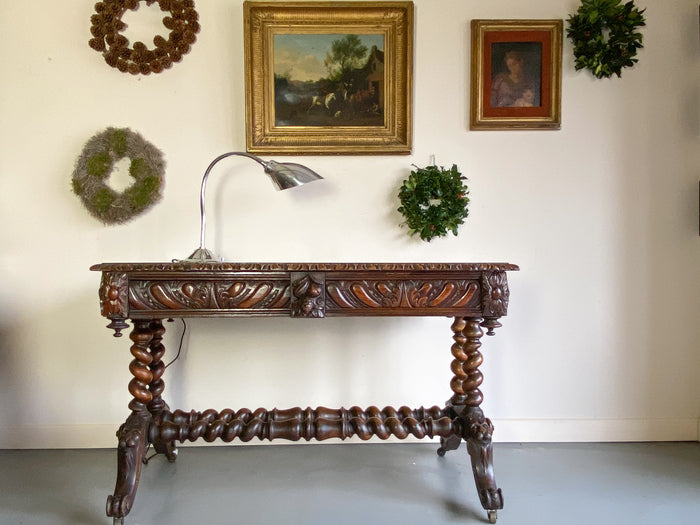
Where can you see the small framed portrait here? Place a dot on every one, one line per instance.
(328, 77)
(516, 74)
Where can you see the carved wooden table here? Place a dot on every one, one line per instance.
(475, 294)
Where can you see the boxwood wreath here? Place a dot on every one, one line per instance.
(96, 163)
(107, 26)
(605, 36)
(434, 201)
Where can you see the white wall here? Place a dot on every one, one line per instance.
(602, 337)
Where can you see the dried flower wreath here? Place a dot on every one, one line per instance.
(107, 38)
(96, 163)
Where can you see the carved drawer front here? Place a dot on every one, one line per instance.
(402, 296)
(248, 295)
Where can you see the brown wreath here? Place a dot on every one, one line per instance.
(107, 38)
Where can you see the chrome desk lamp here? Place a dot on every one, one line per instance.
(284, 175)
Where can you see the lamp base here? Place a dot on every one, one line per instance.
(201, 255)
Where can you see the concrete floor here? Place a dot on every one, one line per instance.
(571, 484)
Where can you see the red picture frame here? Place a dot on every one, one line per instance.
(516, 74)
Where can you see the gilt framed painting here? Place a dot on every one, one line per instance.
(516, 74)
(328, 77)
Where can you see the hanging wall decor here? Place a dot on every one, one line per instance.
(516, 74)
(96, 163)
(328, 77)
(107, 26)
(434, 201)
(606, 36)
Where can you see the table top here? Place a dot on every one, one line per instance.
(181, 266)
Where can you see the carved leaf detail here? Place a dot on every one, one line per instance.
(402, 294)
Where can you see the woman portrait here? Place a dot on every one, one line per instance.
(516, 72)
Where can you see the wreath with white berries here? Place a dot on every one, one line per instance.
(605, 36)
(434, 201)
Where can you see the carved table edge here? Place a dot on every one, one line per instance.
(180, 266)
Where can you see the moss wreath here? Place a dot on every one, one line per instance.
(434, 201)
(107, 26)
(605, 36)
(95, 165)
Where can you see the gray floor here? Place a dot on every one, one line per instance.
(639, 484)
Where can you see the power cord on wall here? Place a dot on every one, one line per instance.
(182, 338)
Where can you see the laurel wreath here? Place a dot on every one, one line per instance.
(96, 163)
(107, 38)
(434, 201)
(605, 36)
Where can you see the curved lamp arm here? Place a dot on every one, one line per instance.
(284, 175)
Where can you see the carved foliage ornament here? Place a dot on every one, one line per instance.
(495, 294)
(114, 296)
(107, 26)
(202, 295)
(402, 294)
(308, 290)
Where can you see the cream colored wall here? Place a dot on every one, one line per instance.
(602, 337)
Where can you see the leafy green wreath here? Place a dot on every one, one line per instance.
(605, 36)
(434, 201)
(95, 165)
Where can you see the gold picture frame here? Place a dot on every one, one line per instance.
(328, 77)
(516, 74)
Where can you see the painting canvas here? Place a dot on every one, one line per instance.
(329, 79)
(516, 74)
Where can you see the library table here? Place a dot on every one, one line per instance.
(474, 294)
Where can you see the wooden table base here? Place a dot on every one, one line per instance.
(474, 294)
(152, 423)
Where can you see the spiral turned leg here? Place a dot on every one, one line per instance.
(475, 428)
(133, 434)
(157, 405)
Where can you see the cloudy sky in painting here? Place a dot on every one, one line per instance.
(302, 56)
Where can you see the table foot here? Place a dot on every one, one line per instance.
(480, 451)
(131, 453)
(449, 443)
(167, 448)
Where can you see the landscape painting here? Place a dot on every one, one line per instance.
(329, 79)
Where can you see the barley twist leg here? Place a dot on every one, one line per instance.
(133, 434)
(157, 405)
(457, 367)
(475, 428)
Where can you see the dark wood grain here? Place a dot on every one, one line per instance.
(475, 295)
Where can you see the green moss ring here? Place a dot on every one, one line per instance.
(434, 201)
(96, 163)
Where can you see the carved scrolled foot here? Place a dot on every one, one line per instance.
(131, 451)
(481, 454)
(449, 443)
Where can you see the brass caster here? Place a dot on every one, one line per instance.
(493, 515)
(118, 521)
